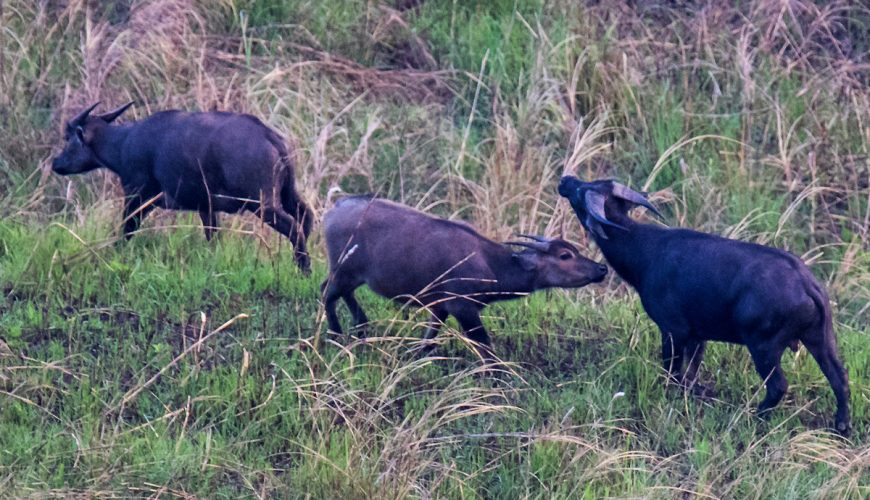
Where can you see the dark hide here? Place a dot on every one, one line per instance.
(445, 266)
(208, 162)
(698, 287)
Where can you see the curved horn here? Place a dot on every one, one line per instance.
(538, 247)
(84, 114)
(595, 207)
(112, 115)
(633, 196)
(537, 238)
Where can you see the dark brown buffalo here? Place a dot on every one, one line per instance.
(445, 266)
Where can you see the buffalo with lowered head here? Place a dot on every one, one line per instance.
(698, 287)
(445, 266)
(209, 162)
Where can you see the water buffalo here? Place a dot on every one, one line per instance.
(209, 162)
(698, 287)
(445, 266)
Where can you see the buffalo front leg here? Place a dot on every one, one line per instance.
(693, 353)
(469, 319)
(134, 211)
(433, 326)
(672, 355)
(210, 222)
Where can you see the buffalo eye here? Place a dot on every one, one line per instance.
(565, 255)
(80, 133)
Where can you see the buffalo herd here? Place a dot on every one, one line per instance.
(694, 286)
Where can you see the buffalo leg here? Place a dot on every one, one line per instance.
(825, 353)
(331, 294)
(433, 326)
(359, 316)
(767, 364)
(693, 353)
(473, 328)
(210, 222)
(134, 212)
(294, 206)
(672, 355)
(285, 224)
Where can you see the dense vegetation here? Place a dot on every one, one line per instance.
(167, 366)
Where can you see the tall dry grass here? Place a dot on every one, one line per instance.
(630, 91)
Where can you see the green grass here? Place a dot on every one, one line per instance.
(169, 366)
(261, 405)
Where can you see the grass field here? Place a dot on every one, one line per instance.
(168, 366)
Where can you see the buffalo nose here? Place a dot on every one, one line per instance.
(566, 184)
(602, 269)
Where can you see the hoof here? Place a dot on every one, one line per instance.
(304, 263)
(702, 391)
(425, 349)
(495, 372)
(361, 331)
(763, 413)
(844, 429)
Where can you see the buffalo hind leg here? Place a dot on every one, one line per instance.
(297, 208)
(210, 223)
(331, 294)
(767, 364)
(359, 316)
(285, 224)
(825, 353)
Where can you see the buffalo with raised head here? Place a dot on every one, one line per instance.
(698, 287)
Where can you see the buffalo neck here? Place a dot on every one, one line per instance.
(108, 145)
(627, 250)
(510, 276)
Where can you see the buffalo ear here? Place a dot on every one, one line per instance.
(596, 218)
(113, 115)
(594, 227)
(528, 261)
